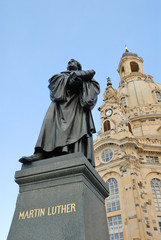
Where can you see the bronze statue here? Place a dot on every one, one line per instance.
(68, 124)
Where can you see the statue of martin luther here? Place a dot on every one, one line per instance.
(68, 125)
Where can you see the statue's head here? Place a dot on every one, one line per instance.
(73, 65)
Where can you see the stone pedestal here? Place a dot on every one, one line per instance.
(61, 198)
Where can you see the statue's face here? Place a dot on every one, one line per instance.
(72, 65)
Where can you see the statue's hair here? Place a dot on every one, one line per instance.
(78, 64)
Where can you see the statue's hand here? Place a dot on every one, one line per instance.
(84, 75)
(75, 84)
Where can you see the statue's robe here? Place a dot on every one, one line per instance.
(68, 124)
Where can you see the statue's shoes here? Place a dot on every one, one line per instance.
(32, 158)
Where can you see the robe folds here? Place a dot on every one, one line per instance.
(68, 124)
